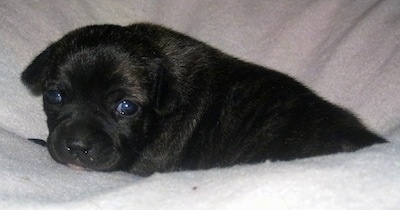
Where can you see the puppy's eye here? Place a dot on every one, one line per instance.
(126, 108)
(53, 96)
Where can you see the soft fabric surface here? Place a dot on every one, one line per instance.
(347, 51)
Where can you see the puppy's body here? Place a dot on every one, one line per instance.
(146, 99)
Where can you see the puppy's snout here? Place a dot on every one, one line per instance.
(83, 142)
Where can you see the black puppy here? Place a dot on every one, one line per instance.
(146, 99)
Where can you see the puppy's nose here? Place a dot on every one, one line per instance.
(78, 147)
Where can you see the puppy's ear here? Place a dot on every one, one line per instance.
(32, 75)
(165, 91)
(159, 86)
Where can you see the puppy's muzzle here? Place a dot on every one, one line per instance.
(82, 144)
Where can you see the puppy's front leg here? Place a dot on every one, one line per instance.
(152, 161)
(161, 156)
(164, 153)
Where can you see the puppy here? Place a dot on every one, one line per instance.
(145, 99)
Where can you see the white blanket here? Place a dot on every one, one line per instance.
(347, 51)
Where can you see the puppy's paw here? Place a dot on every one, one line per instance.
(148, 166)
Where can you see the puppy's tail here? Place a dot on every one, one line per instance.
(39, 141)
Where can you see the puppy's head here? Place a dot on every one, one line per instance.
(102, 90)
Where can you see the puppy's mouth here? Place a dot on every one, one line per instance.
(78, 167)
(78, 161)
(99, 160)
(107, 161)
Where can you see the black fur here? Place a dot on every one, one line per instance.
(197, 107)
